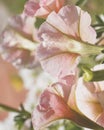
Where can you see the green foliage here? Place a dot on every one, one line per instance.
(21, 117)
(81, 2)
(38, 22)
(99, 26)
(66, 124)
(71, 126)
(14, 6)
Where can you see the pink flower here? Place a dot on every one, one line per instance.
(54, 104)
(42, 8)
(89, 98)
(18, 44)
(64, 37)
(12, 91)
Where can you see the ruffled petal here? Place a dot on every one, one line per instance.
(68, 17)
(87, 33)
(100, 119)
(17, 49)
(53, 53)
(42, 8)
(31, 7)
(87, 102)
(53, 105)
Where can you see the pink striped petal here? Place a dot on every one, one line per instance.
(42, 8)
(100, 119)
(31, 7)
(68, 17)
(53, 106)
(87, 33)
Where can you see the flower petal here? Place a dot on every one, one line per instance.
(87, 33)
(100, 119)
(87, 102)
(53, 53)
(31, 7)
(9, 93)
(42, 8)
(68, 17)
(17, 49)
(53, 105)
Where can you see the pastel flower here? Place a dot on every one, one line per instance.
(12, 91)
(54, 104)
(65, 39)
(18, 42)
(89, 98)
(42, 8)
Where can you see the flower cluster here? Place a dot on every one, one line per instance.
(64, 45)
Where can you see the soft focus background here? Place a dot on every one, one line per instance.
(36, 80)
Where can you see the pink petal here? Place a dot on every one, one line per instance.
(42, 12)
(31, 7)
(100, 97)
(10, 94)
(42, 8)
(68, 17)
(53, 106)
(13, 50)
(87, 102)
(24, 25)
(53, 54)
(87, 33)
(3, 115)
(64, 86)
(62, 64)
(100, 119)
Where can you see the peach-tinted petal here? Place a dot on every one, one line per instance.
(31, 7)
(53, 105)
(64, 85)
(53, 53)
(3, 115)
(9, 93)
(87, 33)
(68, 17)
(100, 119)
(100, 97)
(24, 25)
(62, 63)
(17, 49)
(61, 44)
(87, 102)
(42, 8)
(41, 12)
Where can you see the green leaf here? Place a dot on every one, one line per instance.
(38, 22)
(81, 2)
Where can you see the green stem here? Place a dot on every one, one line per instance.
(81, 2)
(91, 76)
(83, 48)
(8, 108)
(100, 30)
(97, 25)
(98, 75)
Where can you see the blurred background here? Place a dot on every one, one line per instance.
(9, 8)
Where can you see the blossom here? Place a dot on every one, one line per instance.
(89, 98)
(12, 91)
(65, 39)
(55, 103)
(42, 8)
(19, 41)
